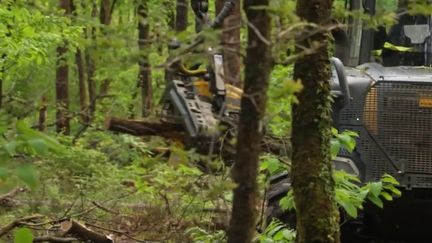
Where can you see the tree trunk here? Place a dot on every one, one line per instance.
(105, 12)
(82, 86)
(42, 114)
(313, 184)
(257, 70)
(81, 69)
(62, 82)
(144, 75)
(91, 66)
(181, 21)
(231, 44)
(105, 16)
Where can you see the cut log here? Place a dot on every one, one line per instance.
(82, 233)
(173, 129)
(167, 128)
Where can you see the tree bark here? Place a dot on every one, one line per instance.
(105, 17)
(82, 79)
(62, 82)
(148, 127)
(79, 58)
(231, 44)
(181, 21)
(174, 129)
(42, 114)
(144, 75)
(91, 66)
(313, 184)
(83, 233)
(245, 170)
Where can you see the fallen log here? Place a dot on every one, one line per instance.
(82, 233)
(173, 129)
(167, 128)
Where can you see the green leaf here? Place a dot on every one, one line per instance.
(28, 134)
(334, 147)
(27, 174)
(375, 200)
(349, 208)
(375, 188)
(386, 196)
(392, 47)
(347, 141)
(396, 191)
(23, 235)
(389, 179)
(287, 202)
(39, 146)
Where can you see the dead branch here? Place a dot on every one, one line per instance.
(103, 208)
(18, 222)
(83, 233)
(7, 198)
(54, 239)
(119, 232)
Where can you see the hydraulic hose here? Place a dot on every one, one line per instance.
(226, 10)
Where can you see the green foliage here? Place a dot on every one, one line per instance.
(200, 235)
(345, 140)
(273, 165)
(24, 141)
(277, 232)
(281, 95)
(351, 196)
(349, 193)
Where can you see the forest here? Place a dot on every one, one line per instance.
(215, 121)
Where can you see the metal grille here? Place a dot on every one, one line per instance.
(394, 120)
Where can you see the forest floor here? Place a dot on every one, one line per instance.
(128, 188)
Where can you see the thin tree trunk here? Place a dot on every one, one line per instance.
(313, 184)
(62, 82)
(181, 20)
(144, 75)
(42, 114)
(231, 44)
(81, 69)
(257, 71)
(105, 16)
(91, 66)
(79, 58)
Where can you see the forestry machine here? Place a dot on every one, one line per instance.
(382, 86)
(206, 105)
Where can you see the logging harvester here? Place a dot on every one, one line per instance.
(206, 105)
(384, 93)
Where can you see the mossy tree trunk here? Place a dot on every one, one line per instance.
(313, 184)
(245, 170)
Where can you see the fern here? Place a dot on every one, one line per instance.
(277, 232)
